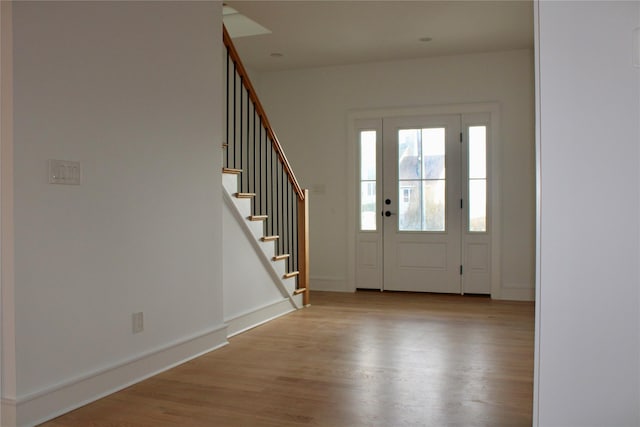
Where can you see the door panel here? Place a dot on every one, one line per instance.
(368, 256)
(421, 225)
(430, 256)
(476, 237)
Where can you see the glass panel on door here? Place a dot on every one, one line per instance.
(477, 179)
(368, 182)
(421, 179)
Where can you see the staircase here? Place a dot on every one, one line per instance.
(264, 246)
(260, 184)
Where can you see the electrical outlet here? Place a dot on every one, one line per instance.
(64, 172)
(138, 322)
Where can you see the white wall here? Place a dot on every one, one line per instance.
(308, 109)
(587, 359)
(132, 91)
(7, 382)
(249, 286)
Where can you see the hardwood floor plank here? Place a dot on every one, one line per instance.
(363, 359)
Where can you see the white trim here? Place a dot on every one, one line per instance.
(538, 171)
(427, 110)
(492, 108)
(518, 294)
(331, 284)
(351, 235)
(53, 401)
(256, 317)
(8, 412)
(7, 279)
(496, 204)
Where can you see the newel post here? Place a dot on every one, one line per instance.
(303, 245)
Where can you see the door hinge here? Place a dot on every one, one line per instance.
(460, 136)
(461, 270)
(461, 204)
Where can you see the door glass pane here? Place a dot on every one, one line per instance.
(368, 206)
(477, 178)
(421, 179)
(477, 152)
(434, 205)
(478, 205)
(410, 206)
(368, 180)
(409, 153)
(368, 155)
(433, 153)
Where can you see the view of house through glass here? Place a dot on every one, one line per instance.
(477, 178)
(368, 180)
(421, 179)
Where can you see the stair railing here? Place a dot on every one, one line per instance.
(253, 147)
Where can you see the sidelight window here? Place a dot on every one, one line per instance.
(477, 179)
(368, 182)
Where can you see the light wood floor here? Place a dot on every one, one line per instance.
(364, 359)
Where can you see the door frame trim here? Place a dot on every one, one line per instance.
(491, 108)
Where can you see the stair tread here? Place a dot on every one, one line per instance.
(269, 238)
(291, 274)
(245, 195)
(300, 291)
(232, 171)
(258, 217)
(280, 257)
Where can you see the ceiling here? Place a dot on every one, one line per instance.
(323, 33)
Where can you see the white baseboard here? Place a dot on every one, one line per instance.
(330, 284)
(249, 320)
(8, 416)
(518, 294)
(59, 399)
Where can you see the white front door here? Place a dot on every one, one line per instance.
(422, 212)
(423, 191)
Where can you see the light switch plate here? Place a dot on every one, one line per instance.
(64, 172)
(318, 188)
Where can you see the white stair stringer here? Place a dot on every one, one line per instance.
(254, 230)
(298, 300)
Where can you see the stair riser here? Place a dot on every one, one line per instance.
(290, 284)
(230, 183)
